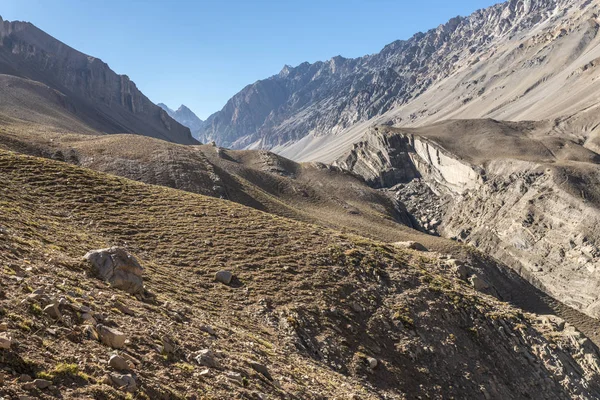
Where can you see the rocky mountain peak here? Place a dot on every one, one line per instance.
(285, 71)
(184, 116)
(184, 109)
(165, 107)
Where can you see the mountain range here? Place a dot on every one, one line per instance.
(517, 60)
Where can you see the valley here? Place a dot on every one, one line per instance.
(421, 222)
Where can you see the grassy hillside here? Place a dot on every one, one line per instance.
(306, 192)
(310, 304)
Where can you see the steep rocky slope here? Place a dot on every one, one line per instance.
(310, 314)
(520, 192)
(185, 117)
(90, 91)
(519, 60)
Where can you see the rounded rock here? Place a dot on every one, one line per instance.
(224, 277)
(119, 363)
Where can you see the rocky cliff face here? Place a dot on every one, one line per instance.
(328, 97)
(108, 102)
(185, 117)
(529, 215)
(385, 159)
(539, 215)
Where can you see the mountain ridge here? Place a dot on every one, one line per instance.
(331, 97)
(105, 101)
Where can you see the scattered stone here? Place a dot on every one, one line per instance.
(117, 267)
(5, 341)
(207, 358)
(131, 359)
(372, 362)
(119, 363)
(53, 311)
(208, 329)
(205, 372)
(235, 376)
(25, 378)
(111, 337)
(261, 369)
(356, 307)
(410, 245)
(224, 277)
(123, 308)
(88, 318)
(91, 333)
(33, 297)
(42, 383)
(167, 345)
(3, 327)
(85, 309)
(458, 268)
(478, 283)
(124, 382)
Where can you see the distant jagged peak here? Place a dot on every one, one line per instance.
(184, 109)
(285, 71)
(184, 116)
(166, 108)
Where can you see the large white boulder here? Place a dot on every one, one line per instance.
(116, 266)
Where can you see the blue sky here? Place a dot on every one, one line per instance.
(200, 53)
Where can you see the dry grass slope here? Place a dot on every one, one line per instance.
(309, 303)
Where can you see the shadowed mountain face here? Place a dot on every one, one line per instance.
(185, 117)
(89, 90)
(516, 60)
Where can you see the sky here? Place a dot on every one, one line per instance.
(200, 53)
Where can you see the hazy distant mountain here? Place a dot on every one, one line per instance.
(521, 59)
(185, 117)
(89, 91)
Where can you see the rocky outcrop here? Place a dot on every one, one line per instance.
(327, 97)
(386, 158)
(382, 160)
(516, 203)
(531, 217)
(107, 102)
